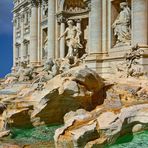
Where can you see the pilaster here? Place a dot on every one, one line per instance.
(34, 33)
(140, 22)
(14, 41)
(23, 52)
(51, 28)
(95, 27)
(61, 21)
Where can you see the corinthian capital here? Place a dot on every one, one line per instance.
(34, 3)
(61, 19)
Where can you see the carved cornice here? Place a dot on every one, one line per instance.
(22, 4)
(38, 3)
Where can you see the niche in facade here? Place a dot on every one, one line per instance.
(120, 23)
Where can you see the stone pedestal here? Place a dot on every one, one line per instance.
(51, 28)
(34, 35)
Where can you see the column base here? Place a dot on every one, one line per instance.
(144, 58)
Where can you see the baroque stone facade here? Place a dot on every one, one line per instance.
(108, 29)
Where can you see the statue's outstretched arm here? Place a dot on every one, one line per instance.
(63, 34)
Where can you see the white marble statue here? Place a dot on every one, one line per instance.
(72, 34)
(121, 25)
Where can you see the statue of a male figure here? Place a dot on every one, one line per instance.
(72, 34)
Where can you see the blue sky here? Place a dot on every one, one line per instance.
(6, 37)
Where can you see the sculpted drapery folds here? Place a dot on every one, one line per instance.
(121, 25)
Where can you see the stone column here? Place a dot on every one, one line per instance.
(25, 18)
(104, 26)
(39, 34)
(95, 27)
(23, 52)
(34, 34)
(51, 28)
(79, 23)
(62, 40)
(57, 47)
(57, 33)
(109, 24)
(140, 22)
(14, 42)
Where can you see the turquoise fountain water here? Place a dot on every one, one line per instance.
(34, 135)
(45, 134)
(138, 140)
(29, 136)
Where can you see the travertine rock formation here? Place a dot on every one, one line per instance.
(27, 106)
(97, 111)
(125, 110)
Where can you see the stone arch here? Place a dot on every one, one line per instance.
(63, 5)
